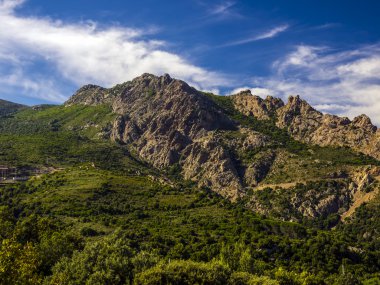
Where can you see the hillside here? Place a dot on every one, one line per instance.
(7, 108)
(155, 182)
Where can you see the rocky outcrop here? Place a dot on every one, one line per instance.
(308, 125)
(366, 187)
(251, 105)
(318, 199)
(89, 95)
(207, 162)
(124, 130)
(256, 171)
(310, 201)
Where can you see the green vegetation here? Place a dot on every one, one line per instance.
(101, 217)
(85, 225)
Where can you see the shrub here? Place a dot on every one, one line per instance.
(183, 272)
(104, 262)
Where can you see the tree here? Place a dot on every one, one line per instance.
(103, 262)
(18, 263)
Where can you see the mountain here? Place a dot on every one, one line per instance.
(154, 182)
(169, 124)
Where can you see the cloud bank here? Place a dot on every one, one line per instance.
(81, 53)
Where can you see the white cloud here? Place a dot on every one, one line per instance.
(223, 8)
(303, 56)
(272, 33)
(266, 35)
(326, 26)
(345, 83)
(366, 67)
(8, 6)
(84, 53)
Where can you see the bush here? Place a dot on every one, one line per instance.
(18, 263)
(104, 262)
(372, 281)
(88, 232)
(244, 278)
(183, 272)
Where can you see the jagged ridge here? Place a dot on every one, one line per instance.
(308, 125)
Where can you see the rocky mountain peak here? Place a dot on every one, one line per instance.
(363, 121)
(253, 105)
(148, 79)
(295, 112)
(89, 87)
(273, 103)
(305, 123)
(299, 106)
(168, 123)
(89, 94)
(246, 92)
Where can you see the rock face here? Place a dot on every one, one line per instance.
(251, 105)
(318, 199)
(89, 95)
(306, 124)
(207, 162)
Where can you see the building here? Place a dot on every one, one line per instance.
(7, 172)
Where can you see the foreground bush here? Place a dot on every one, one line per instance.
(181, 272)
(103, 262)
(185, 272)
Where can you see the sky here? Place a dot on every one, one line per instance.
(328, 52)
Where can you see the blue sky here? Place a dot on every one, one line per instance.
(326, 51)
